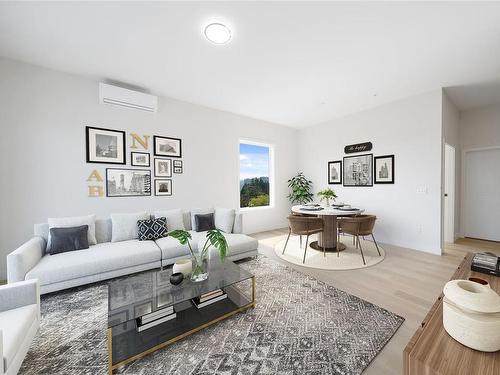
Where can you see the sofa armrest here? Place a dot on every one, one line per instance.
(23, 293)
(24, 258)
(238, 223)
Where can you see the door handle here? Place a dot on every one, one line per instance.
(445, 194)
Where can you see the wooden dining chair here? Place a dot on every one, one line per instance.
(361, 225)
(304, 226)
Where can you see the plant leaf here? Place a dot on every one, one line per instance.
(218, 241)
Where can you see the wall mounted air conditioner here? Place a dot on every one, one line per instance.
(115, 95)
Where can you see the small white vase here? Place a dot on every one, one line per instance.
(185, 266)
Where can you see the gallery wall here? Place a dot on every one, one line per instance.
(43, 117)
(408, 211)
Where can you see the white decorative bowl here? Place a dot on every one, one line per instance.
(185, 266)
(471, 315)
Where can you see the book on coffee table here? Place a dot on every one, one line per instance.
(208, 300)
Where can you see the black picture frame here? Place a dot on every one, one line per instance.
(156, 173)
(346, 164)
(330, 180)
(156, 187)
(177, 170)
(132, 153)
(90, 158)
(390, 172)
(177, 163)
(147, 172)
(157, 152)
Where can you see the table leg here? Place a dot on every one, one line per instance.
(328, 238)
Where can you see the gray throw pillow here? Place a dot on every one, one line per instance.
(204, 222)
(74, 221)
(68, 239)
(199, 211)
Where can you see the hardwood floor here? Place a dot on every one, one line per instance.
(407, 283)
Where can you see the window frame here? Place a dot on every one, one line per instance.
(270, 147)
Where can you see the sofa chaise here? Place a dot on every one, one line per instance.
(106, 259)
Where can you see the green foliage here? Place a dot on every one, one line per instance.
(252, 189)
(261, 200)
(181, 235)
(327, 194)
(218, 241)
(301, 189)
(215, 238)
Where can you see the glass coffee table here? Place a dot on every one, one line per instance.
(135, 301)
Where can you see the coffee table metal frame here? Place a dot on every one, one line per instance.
(112, 367)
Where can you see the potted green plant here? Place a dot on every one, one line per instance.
(327, 194)
(200, 258)
(301, 189)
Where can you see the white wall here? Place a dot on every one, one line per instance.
(43, 115)
(479, 128)
(451, 135)
(410, 129)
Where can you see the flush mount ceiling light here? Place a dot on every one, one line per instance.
(217, 33)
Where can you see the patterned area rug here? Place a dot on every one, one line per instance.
(300, 326)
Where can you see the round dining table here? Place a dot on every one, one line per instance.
(328, 238)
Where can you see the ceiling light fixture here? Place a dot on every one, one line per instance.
(217, 33)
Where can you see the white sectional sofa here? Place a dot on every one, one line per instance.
(107, 259)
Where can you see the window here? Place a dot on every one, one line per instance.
(256, 161)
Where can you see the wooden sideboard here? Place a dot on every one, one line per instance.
(431, 351)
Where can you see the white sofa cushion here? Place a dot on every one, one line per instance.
(124, 226)
(174, 218)
(224, 219)
(15, 325)
(171, 248)
(240, 243)
(199, 211)
(100, 258)
(75, 221)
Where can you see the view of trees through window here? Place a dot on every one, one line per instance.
(254, 175)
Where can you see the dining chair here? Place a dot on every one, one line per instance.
(304, 226)
(361, 225)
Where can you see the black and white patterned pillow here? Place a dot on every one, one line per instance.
(152, 229)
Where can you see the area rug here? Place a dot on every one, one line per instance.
(348, 259)
(299, 326)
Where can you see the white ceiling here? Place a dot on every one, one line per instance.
(293, 63)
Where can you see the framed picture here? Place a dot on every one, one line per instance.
(178, 170)
(335, 172)
(105, 145)
(178, 163)
(163, 187)
(163, 167)
(166, 146)
(128, 182)
(358, 170)
(139, 159)
(384, 169)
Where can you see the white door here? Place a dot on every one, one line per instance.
(482, 194)
(449, 193)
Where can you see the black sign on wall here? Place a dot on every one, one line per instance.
(358, 147)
